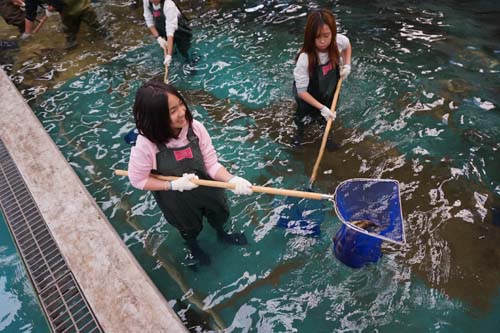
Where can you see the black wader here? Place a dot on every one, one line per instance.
(183, 34)
(322, 85)
(73, 13)
(185, 210)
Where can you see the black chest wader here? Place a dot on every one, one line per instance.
(185, 210)
(183, 34)
(322, 86)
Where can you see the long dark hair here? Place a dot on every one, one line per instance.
(151, 111)
(315, 20)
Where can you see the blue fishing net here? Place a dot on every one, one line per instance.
(370, 210)
(356, 249)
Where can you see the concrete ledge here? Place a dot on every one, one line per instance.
(121, 295)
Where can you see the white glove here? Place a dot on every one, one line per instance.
(183, 183)
(326, 113)
(162, 42)
(345, 71)
(50, 13)
(25, 35)
(168, 60)
(242, 186)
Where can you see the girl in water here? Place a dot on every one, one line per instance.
(172, 143)
(324, 57)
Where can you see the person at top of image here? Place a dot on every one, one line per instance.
(324, 57)
(169, 26)
(172, 143)
(73, 13)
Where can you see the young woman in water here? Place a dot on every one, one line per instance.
(169, 26)
(171, 142)
(324, 57)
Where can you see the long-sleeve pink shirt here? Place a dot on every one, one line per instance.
(143, 155)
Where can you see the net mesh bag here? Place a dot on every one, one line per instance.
(370, 210)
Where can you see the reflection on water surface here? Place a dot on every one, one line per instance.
(421, 106)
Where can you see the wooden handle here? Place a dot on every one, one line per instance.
(165, 77)
(40, 24)
(260, 189)
(325, 135)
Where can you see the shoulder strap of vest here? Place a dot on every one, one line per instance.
(161, 146)
(180, 10)
(191, 136)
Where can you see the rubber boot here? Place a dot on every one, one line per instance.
(331, 145)
(70, 42)
(197, 252)
(298, 138)
(193, 59)
(234, 239)
(495, 211)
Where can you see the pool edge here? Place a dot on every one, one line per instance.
(116, 287)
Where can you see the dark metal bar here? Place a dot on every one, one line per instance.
(62, 301)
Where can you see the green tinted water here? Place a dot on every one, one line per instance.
(421, 106)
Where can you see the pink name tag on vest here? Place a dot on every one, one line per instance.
(327, 68)
(182, 154)
(156, 13)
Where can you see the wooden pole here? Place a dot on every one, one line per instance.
(259, 189)
(165, 77)
(325, 135)
(40, 24)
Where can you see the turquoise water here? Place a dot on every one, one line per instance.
(19, 307)
(421, 106)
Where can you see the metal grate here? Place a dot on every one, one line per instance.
(62, 300)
